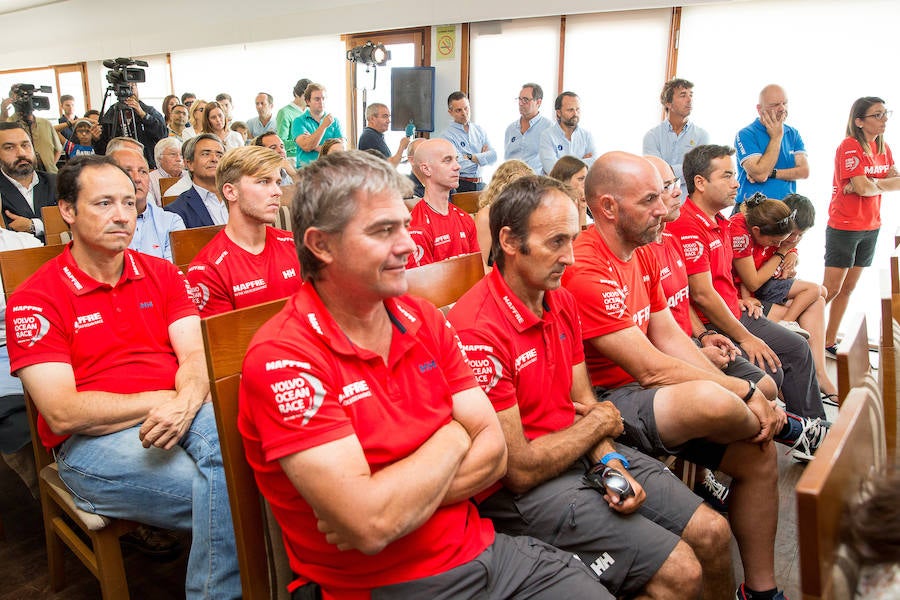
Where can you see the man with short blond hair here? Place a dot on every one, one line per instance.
(248, 262)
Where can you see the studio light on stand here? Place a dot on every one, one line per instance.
(372, 55)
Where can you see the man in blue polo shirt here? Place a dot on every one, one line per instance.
(470, 142)
(771, 155)
(523, 136)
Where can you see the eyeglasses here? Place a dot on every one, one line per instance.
(524, 100)
(671, 185)
(879, 115)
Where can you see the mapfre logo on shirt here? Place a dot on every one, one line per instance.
(740, 242)
(29, 328)
(88, 320)
(299, 396)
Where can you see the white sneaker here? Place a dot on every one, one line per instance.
(814, 431)
(795, 327)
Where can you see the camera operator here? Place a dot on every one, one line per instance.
(149, 124)
(43, 136)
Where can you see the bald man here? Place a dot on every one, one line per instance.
(439, 229)
(671, 398)
(771, 154)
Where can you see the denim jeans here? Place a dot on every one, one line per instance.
(182, 488)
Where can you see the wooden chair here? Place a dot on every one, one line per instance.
(853, 357)
(165, 183)
(186, 243)
(283, 220)
(167, 200)
(466, 201)
(261, 555)
(54, 225)
(888, 364)
(895, 271)
(442, 283)
(94, 539)
(853, 449)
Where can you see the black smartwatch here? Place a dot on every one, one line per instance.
(751, 392)
(774, 174)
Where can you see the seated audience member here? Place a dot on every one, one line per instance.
(169, 163)
(573, 171)
(15, 433)
(556, 430)
(314, 126)
(225, 103)
(118, 143)
(214, 122)
(179, 125)
(20, 177)
(242, 129)
(153, 224)
(271, 141)
(370, 480)
(566, 138)
(167, 104)
(248, 262)
(672, 399)
(709, 173)
(378, 120)
(82, 140)
(149, 125)
(333, 145)
(438, 228)
(264, 121)
(415, 175)
(760, 233)
(470, 141)
(200, 205)
(874, 532)
(188, 98)
(143, 409)
(286, 115)
(505, 174)
(198, 109)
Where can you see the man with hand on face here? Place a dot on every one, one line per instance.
(108, 345)
(566, 138)
(771, 155)
(248, 262)
(23, 189)
(470, 141)
(378, 120)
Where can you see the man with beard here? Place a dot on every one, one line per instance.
(248, 262)
(566, 138)
(23, 189)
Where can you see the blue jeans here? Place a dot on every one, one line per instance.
(114, 475)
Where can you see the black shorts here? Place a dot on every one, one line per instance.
(635, 404)
(845, 249)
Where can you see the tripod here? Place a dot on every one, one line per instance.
(122, 121)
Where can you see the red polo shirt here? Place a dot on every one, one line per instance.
(706, 245)
(674, 279)
(305, 384)
(439, 237)
(225, 277)
(612, 295)
(852, 212)
(115, 337)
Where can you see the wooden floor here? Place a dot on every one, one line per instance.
(23, 559)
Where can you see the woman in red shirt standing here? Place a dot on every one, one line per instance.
(863, 168)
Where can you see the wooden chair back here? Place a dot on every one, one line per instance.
(888, 364)
(442, 283)
(466, 201)
(166, 182)
(226, 336)
(18, 265)
(895, 271)
(853, 356)
(186, 243)
(853, 449)
(54, 225)
(167, 200)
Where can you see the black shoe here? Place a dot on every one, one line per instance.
(156, 543)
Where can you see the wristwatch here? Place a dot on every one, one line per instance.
(774, 174)
(751, 392)
(31, 229)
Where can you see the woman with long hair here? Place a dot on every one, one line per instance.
(168, 102)
(863, 169)
(573, 171)
(214, 122)
(198, 109)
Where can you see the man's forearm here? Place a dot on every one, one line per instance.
(192, 380)
(718, 313)
(484, 463)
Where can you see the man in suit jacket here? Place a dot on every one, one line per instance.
(200, 205)
(24, 191)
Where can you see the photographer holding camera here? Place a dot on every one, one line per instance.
(43, 136)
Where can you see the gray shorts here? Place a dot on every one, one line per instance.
(512, 567)
(624, 551)
(636, 407)
(845, 249)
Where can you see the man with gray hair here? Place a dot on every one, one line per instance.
(200, 205)
(378, 120)
(675, 136)
(364, 425)
(169, 163)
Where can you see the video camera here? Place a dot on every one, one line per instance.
(24, 100)
(122, 74)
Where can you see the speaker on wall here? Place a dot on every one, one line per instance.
(412, 97)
